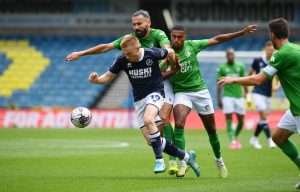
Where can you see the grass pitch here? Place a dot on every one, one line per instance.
(79, 160)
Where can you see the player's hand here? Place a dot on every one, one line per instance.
(249, 29)
(73, 56)
(226, 80)
(93, 77)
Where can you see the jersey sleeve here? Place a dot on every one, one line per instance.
(117, 43)
(274, 65)
(159, 53)
(162, 38)
(199, 45)
(116, 67)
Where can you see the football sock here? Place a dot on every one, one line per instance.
(156, 144)
(169, 135)
(179, 139)
(239, 128)
(230, 132)
(172, 150)
(258, 129)
(291, 151)
(266, 129)
(215, 144)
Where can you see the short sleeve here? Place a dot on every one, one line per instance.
(159, 53)
(162, 38)
(199, 45)
(116, 67)
(117, 43)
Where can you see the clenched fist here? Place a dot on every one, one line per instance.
(93, 77)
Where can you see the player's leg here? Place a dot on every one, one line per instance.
(259, 105)
(240, 124)
(180, 114)
(168, 134)
(165, 114)
(265, 125)
(150, 113)
(259, 128)
(229, 129)
(239, 109)
(228, 110)
(288, 125)
(202, 103)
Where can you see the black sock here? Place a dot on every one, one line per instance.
(258, 129)
(172, 150)
(266, 129)
(156, 144)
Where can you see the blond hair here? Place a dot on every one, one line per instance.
(128, 39)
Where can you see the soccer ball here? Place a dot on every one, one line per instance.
(81, 117)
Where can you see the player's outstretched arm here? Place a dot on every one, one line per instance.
(101, 79)
(229, 36)
(101, 48)
(257, 79)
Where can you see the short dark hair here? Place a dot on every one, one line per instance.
(141, 12)
(178, 28)
(279, 27)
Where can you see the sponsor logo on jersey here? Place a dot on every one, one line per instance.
(140, 73)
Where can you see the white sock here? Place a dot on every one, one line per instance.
(186, 157)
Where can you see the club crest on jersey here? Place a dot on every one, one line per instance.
(129, 65)
(149, 62)
(187, 53)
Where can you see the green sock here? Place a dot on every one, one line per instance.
(239, 127)
(179, 139)
(169, 135)
(291, 151)
(215, 144)
(230, 132)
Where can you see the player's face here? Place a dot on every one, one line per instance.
(269, 49)
(177, 39)
(230, 56)
(140, 25)
(131, 51)
(272, 37)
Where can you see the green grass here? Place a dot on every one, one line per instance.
(79, 160)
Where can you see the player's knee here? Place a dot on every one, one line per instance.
(180, 122)
(278, 139)
(164, 117)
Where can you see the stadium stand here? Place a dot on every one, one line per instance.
(38, 76)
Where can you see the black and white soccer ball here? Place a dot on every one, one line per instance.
(81, 117)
